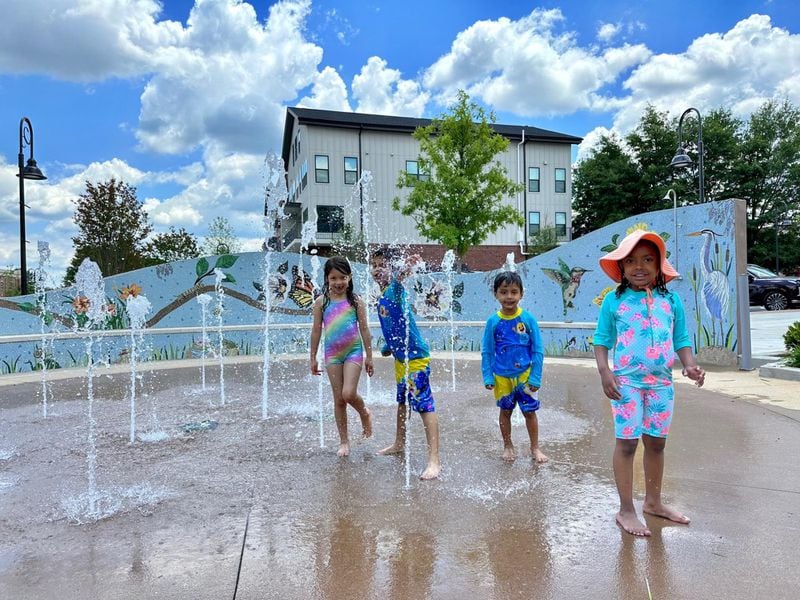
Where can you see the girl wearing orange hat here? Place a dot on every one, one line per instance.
(645, 325)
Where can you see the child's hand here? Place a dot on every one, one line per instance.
(696, 374)
(369, 367)
(610, 388)
(489, 386)
(315, 370)
(532, 388)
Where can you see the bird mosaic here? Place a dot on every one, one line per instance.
(569, 279)
(715, 291)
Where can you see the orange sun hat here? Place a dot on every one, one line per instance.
(610, 262)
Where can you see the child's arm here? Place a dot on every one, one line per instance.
(316, 334)
(607, 378)
(366, 336)
(690, 368)
(487, 355)
(537, 354)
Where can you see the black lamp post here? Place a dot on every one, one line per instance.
(29, 171)
(681, 159)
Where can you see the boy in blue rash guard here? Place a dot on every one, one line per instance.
(511, 362)
(392, 313)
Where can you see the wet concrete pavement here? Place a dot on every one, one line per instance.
(322, 527)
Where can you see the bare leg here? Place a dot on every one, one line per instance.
(336, 376)
(431, 423)
(653, 475)
(624, 453)
(509, 454)
(352, 372)
(532, 425)
(400, 436)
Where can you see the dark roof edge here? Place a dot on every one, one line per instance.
(348, 120)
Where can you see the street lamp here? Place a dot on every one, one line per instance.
(681, 159)
(29, 171)
(671, 194)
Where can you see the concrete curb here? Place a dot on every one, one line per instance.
(777, 370)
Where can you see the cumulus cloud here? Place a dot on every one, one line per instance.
(85, 40)
(739, 69)
(329, 92)
(608, 31)
(381, 90)
(528, 68)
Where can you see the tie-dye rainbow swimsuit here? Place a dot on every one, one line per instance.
(342, 337)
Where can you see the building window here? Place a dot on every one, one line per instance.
(322, 172)
(533, 180)
(561, 224)
(304, 174)
(561, 180)
(533, 223)
(412, 168)
(330, 219)
(350, 170)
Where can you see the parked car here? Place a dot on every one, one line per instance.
(770, 290)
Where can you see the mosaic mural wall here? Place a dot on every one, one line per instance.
(563, 290)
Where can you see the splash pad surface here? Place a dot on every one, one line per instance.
(321, 527)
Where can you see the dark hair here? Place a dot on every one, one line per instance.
(508, 278)
(341, 264)
(385, 253)
(661, 285)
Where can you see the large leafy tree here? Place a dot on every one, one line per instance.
(171, 246)
(457, 198)
(112, 226)
(605, 187)
(768, 176)
(221, 238)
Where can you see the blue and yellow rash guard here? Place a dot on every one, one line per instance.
(392, 307)
(510, 345)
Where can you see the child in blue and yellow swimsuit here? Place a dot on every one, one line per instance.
(511, 362)
(645, 325)
(397, 324)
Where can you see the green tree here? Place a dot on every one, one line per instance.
(221, 239)
(605, 187)
(112, 226)
(171, 246)
(768, 176)
(456, 199)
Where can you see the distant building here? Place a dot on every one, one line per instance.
(9, 282)
(325, 153)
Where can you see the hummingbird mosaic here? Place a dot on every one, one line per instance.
(569, 279)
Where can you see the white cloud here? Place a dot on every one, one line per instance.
(381, 90)
(329, 92)
(84, 40)
(608, 31)
(527, 68)
(739, 69)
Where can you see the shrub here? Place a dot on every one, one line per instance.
(793, 360)
(791, 338)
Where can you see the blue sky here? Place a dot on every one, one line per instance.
(184, 98)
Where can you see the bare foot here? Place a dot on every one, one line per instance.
(539, 456)
(393, 449)
(666, 512)
(366, 423)
(509, 454)
(631, 523)
(431, 471)
(344, 450)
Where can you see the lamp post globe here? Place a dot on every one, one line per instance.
(681, 159)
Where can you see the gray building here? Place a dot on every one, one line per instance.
(325, 153)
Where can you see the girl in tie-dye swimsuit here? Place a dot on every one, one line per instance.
(343, 316)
